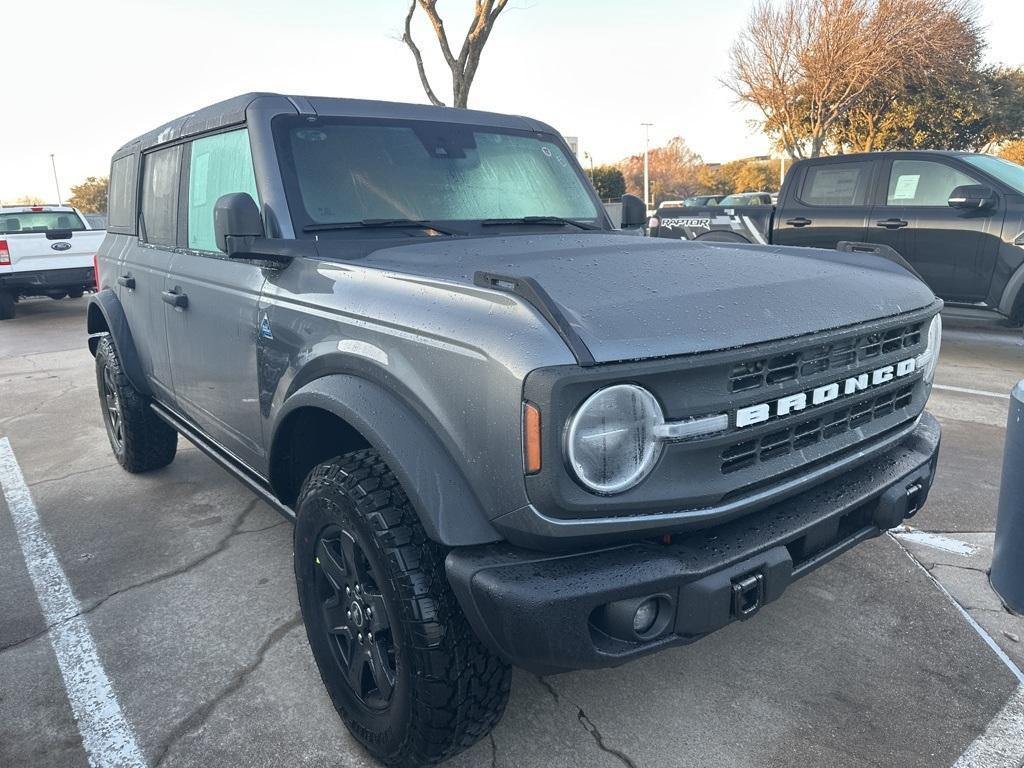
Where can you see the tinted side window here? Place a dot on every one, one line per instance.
(835, 185)
(220, 165)
(923, 183)
(121, 196)
(160, 195)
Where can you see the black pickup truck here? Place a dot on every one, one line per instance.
(958, 218)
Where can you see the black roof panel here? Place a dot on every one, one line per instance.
(233, 111)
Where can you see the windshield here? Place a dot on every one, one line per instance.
(1009, 173)
(23, 222)
(349, 170)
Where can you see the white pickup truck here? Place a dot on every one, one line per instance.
(45, 250)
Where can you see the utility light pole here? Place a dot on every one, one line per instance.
(53, 164)
(647, 171)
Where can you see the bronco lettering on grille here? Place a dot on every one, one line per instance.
(756, 414)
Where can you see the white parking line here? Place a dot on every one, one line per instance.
(1002, 743)
(107, 737)
(967, 391)
(933, 540)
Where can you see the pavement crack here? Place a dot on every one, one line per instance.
(599, 740)
(494, 750)
(236, 530)
(549, 688)
(198, 718)
(958, 567)
(588, 725)
(72, 474)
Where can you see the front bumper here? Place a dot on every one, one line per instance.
(550, 612)
(46, 281)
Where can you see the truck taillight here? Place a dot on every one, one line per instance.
(5, 254)
(36, 209)
(96, 269)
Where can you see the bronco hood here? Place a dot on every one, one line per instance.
(631, 297)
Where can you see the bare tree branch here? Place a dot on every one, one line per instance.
(407, 39)
(463, 68)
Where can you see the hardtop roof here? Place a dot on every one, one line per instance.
(233, 111)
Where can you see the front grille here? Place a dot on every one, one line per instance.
(811, 431)
(753, 374)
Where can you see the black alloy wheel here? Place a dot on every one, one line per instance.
(355, 618)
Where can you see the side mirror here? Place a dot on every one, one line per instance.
(972, 196)
(634, 212)
(235, 215)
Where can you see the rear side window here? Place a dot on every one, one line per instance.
(121, 195)
(220, 164)
(835, 185)
(923, 183)
(40, 221)
(160, 196)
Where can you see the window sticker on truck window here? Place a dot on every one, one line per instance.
(906, 187)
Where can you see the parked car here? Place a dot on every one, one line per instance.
(956, 217)
(698, 201)
(45, 250)
(746, 198)
(414, 332)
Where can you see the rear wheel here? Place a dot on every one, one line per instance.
(75, 294)
(396, 654)
(141, 441)
(6, 305)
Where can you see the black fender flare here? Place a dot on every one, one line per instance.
(448, 508)
(105, 304)
(1012, 291)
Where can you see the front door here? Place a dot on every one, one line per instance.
(953, 250)
(212, 309)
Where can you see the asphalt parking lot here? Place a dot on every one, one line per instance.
(183, 581)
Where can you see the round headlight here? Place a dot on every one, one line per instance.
(610, 441)
(934, 344)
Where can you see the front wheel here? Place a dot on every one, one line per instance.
(395, 652)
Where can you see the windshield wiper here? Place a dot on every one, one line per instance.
(558, 220)
(378, 224)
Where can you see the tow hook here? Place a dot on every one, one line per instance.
(747, 596)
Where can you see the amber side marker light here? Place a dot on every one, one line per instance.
(531, 438)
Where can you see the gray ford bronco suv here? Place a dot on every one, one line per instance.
(507, 433)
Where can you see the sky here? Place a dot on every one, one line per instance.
(82, 78)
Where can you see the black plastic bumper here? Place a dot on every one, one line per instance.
(47, 281)
(553, 612)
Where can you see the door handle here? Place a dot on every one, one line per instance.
(800, 221)
(126, 281)
(891, 223)
(175, 299)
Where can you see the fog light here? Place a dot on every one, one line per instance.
(645, 616)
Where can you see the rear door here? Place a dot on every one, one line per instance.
(212, 333)
(953, 250)
(143, 268)
(827, 202)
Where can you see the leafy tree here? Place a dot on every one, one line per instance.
(981, 107)
(90, 196)
(1014, 152)
(674, 171)
(28, 200)
(609, 182)
(807, 65)
(738, 176)
(463, 67)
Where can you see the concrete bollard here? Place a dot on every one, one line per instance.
(1007, 574)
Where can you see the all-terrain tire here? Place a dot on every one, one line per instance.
(449, 689)
(6, 305)
(140, 440)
